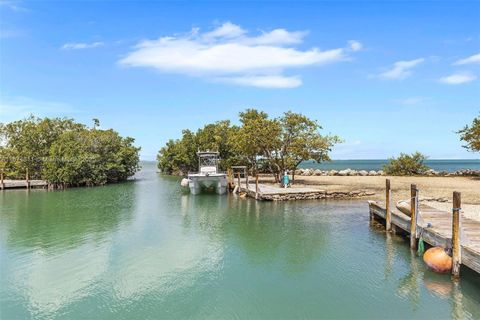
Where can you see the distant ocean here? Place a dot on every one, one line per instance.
(438, 165)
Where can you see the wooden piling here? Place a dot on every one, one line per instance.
(2, 185)
(256, 186)
(388, 218)
(456, 250)
(27, 181)
(239, 186)
(413, 216)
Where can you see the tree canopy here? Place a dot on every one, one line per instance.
(262, 143)
(471, 135)
(65, 153)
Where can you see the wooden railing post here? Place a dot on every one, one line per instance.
(388, 214)
(2, 185)
(256, 186)
(239, 186)
(456, 249)
(413, 216)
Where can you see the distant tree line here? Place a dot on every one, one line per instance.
(65, 153)
(262, 143)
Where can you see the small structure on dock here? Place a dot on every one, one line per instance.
(208, 176)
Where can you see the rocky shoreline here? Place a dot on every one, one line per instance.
(351, 172)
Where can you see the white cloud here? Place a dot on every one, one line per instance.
(278, 37)
(458, 78)
(13, 5)
(401, 69)
(413, 101)
(81, 45)
(227, 30)
(230, 55)
(273, 81)
(355, 45)
(472, 59)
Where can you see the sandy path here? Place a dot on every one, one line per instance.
(430, 187)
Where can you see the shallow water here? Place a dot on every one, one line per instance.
(146, 250)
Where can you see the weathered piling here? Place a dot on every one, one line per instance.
(27, 181)
(256, 186)
(456, 250)
(437, 231)
(413, 216)
(238, 179)
(388, 218)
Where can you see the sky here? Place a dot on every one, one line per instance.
(387, 77)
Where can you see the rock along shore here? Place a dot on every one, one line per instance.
(351, 172)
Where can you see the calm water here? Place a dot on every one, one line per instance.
(145, 250)
(439, 165)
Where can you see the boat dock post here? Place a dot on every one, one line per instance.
(388, 193)
(413, 215)
(441, 228)
(456, 250)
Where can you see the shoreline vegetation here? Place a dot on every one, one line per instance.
(282, 144)
(65, 153)
(263, 144)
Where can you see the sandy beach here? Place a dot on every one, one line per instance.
(434, 191)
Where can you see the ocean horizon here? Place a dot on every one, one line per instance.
(448, 165)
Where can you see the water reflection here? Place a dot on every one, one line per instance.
(147, 250)
(265, 231)
(462, 295)
(62, 220)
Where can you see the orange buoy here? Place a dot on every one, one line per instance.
(438, 260)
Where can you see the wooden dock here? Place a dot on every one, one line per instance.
(271, 192)
(435, 228)
(18, 184)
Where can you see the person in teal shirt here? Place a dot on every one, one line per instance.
(286, 180)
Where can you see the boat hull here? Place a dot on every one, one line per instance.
(198, 183)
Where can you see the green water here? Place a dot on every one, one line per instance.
(145, 250)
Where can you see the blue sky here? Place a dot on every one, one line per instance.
(388, 77)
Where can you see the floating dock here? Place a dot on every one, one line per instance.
(436, 227)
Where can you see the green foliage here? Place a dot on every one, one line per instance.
(471, 135)
(179, 156)
(406, 165)
(66, 153)
(273, 145)
(256, 139)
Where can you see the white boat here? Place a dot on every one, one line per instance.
(208, 176)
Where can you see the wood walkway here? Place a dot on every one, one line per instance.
(435, 227)
(17, 184)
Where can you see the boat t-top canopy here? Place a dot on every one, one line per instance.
(208, 161)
